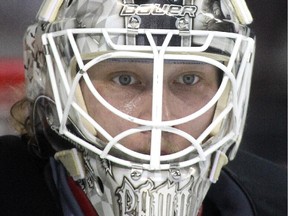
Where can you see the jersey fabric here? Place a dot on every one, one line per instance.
(248, 186)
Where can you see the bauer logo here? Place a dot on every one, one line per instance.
(156, 9)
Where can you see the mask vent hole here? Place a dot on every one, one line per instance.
(99, 186)
(69, 2)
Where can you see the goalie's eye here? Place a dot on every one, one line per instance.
(187, 79)
(124, 79)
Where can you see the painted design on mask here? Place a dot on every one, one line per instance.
(171, 198)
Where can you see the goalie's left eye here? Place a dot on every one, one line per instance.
(188, 79)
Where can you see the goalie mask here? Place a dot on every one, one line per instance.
(150, 95)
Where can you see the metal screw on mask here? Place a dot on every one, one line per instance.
(182, 24)
(175, 173)
(136, 173)
(134, 22)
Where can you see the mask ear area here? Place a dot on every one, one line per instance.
(46, 141)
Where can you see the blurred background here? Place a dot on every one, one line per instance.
(266, 129)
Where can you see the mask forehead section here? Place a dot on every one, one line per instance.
(180, 15)
(161, 14)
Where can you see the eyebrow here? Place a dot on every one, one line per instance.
(150, 61)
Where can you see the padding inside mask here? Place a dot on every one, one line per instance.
(79, 97)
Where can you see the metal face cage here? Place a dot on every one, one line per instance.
(235, 63)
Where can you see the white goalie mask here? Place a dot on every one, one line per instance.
(152, 94)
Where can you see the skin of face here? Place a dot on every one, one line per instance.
(127, 85)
